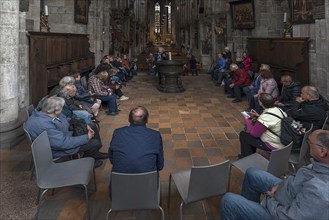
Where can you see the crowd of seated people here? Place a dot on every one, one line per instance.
(69, 112)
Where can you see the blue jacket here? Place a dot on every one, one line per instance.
(221, 64)
(256, 83)
(61, 140)
(136, 149)
(81, 91)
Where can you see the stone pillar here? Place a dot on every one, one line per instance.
(9, 49)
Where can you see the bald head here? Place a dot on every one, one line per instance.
(312, 92)
(138, 116)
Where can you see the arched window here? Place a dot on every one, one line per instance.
(157, 18)
(169, 18)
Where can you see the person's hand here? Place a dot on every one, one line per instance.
(251, 87)
(80, 106)
(300, 99)
(273, 190)
(90, 134)
(232, 85)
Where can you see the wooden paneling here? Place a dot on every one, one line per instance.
(283, 55)
(55, 55)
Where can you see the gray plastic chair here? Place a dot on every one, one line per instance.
(199, 183)
(137, 191)
(278, 164)
(52, 175)
(296, 157)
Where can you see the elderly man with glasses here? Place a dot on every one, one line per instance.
(304, 195)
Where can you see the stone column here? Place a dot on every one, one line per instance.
(9, 96)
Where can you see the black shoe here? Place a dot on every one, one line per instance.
(237, 100)
(231, 96)
(240, 156)
(98, 163)
(112, 113)
(102, 156)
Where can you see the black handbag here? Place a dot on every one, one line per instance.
(88, 99)
(78, 127)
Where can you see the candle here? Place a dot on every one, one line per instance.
(169, 55)
(46, 10)
(285, 17)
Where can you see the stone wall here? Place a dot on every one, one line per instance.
(268, 23)
(318, 49)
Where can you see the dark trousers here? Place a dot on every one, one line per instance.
(91, 149)
(236, 90)
(249, 144)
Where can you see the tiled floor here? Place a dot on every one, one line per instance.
(199, 127)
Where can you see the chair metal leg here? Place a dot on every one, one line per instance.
(95, 186)
(32, 173)
(162, 212)
(293, 167)
(181, 210)
(39, 203)
(169, 190)
(108, 214)
(229, 178)
(87, 201)
(31, 163)
(38, 197)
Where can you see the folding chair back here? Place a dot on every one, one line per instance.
(208, 181)
(296, 157)
(42, 155)
(279, 160)
(134, 191)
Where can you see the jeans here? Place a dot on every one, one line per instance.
(250, 96)
(246, 205)
(111, 102)
(83, 114)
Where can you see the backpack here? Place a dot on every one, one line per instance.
(291, 130)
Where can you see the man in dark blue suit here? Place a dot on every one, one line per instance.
(136, 148)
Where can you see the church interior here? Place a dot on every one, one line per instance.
(44, 40)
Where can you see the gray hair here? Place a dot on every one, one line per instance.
(265, 67)
(66, 80)
(234, 66)
(52, 104)
(68, 90)
(312, 91)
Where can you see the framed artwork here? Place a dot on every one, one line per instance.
(81, 11)
(243, 16)
(306, 11)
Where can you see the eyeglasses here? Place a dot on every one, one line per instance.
(309, 143)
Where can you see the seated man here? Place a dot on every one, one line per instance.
(252, 90)
(240, 80)
(136, 148)
(310, 107)
(290, 91)
(300, 196)
(61, 140)
(218, 71)
(86, 97)
(74, 108)
(96, 85)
